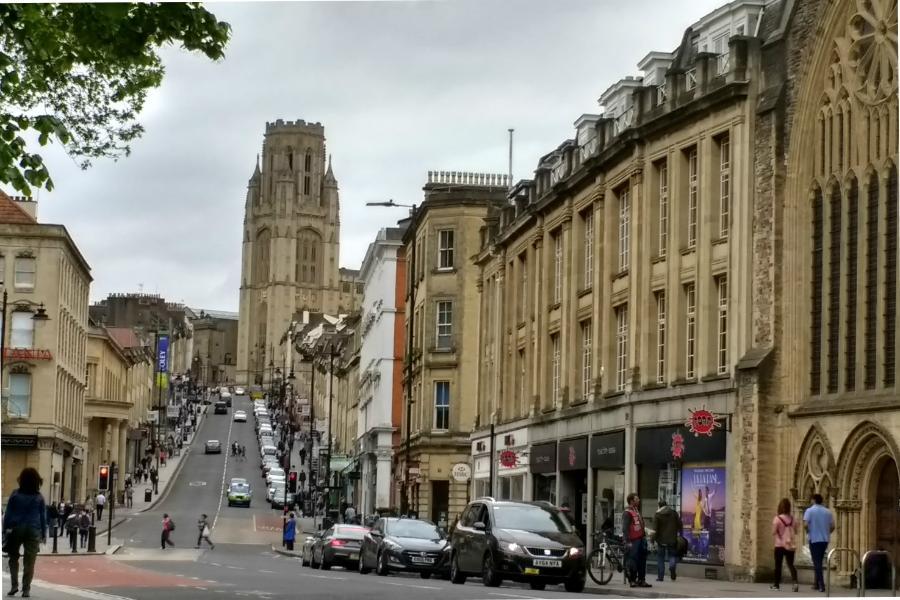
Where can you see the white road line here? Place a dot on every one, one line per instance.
(510, 595)
(224, 475)
(410, 585)
(265, 571)
(321, 577)
(72, 591)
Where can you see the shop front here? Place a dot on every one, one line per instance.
(572, 462)
(687, 470)
(542, 463)
(607, 460)
(512, 465)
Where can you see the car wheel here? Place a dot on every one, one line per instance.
(489, 576)
(312, 561)
(303, 560)
(363, 569)
(575, 585)
(382, 566)
(324, 565)
(537, 585)
(425, 574)
(456, 576)
(229, 503)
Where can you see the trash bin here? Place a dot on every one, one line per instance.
(148, 494)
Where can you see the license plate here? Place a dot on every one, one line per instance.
(422, 560)
(530, 571)
(354, 556)
(540, 562)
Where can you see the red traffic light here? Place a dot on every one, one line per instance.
(103, 479)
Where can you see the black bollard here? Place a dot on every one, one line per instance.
(92, 538)
(55, 537)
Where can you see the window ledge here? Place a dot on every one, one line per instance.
(720, 240)
(549, 410)
(688, 250)
(716, 377)
(620, 275)
(585, 291)
(520, 324)
(658, 259)
(449, 350)
(690, 381)
(610, 395)
(553, 306)
(655, 386)
(443, 271)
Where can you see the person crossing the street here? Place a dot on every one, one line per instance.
(203, 526)
(24, 528)
(168, 526)
(101, 502)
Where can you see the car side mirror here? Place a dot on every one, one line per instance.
(480, 526)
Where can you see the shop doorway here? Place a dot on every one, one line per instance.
(887, 509)
(573, 498)
(440, 501)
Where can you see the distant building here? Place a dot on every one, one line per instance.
(215, 346)
(291, 245)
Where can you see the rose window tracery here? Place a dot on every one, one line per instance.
(872, 32)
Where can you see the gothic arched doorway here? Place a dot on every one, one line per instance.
(886, 496)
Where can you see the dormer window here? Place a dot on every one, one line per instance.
(559, 171)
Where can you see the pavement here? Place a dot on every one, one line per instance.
(246, 563)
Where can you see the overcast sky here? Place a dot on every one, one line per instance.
(402, 88)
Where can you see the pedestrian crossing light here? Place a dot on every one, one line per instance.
(103, 480)
(292, 482)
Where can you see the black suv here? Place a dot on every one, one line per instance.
(531, 542)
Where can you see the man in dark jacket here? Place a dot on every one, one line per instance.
(667, 524)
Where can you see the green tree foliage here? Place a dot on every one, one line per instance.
(80, 73)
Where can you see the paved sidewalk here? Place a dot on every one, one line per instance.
(167, 474)
(692, 587)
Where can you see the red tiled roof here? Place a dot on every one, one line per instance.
(124, 337)
(13, 214)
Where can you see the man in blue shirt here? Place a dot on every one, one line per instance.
(819, 524)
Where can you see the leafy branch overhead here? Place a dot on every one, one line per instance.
(80, 73)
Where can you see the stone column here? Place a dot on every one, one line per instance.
(122, 452)
(382, 478)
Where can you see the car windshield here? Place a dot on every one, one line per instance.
(530, 518)
(413, 529)
(350, 533)
(240, 488)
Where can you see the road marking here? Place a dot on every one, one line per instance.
(224, 475)
(510, 595)
(197, 483)
(410, 585)
(73, 591)
(322, 576)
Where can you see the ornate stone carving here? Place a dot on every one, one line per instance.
(872, 35)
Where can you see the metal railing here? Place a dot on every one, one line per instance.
(862, 568)
(828, 557)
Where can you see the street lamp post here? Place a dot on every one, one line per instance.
(411, 276)
(332, 353)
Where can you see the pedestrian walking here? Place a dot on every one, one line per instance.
(349, 514)
(243, 451)
(146, 475)
(168, 526)
(635, 543)
(53, 517)
(129, 496)
(154, 476)
(72, 523)
(84, 526)
(819, 524)
(784, 535)
(290, 532)
(667, 524)
(101, 503)
(24, 527)
(203, 526)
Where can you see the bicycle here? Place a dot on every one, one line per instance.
(606, 559)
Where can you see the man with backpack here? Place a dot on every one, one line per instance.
(168, 526)
(72, 522)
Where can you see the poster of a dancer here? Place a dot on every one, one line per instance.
(703, 513)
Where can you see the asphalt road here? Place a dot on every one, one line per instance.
(243, 563)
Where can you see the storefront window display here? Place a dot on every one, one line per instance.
(543, 468)
(482, 488)
(572, 464)
(512, 487)
(607, 457)
(688, 472)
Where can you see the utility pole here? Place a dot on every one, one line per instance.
(331, 355)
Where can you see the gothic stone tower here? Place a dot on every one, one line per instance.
(291, 245)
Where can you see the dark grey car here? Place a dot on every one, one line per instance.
(400, 544)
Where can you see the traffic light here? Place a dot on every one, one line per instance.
(292, 482)
(103, 480)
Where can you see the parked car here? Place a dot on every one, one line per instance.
(338, 545)
(213, 447)
(306, 549)
(240, 416)
(531, 542)
(282, 498)
(221, 408)
(400, 544)
(275, 474)
(267, 450)
(239, 391)
(239, 493)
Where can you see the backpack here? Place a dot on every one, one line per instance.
(787, 534)
(171, 525)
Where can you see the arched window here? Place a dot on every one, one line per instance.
(890, 280)
(307, 172)
(261, 256)
(818, 225)
(834, 286)
(851, 316)
(871, 292)
(308, 258)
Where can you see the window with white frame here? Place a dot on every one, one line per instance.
(690, 304)
(724, 185)
(693, 198)
(444, 324)
(24, 275)
(588, 270)
(621, 347)
(556, 366)
(442, 405)
(663, 208)
(587, 358)
(720, 47)
(22, 334)
(661, 336)
(557, 266)
(19, 405)
(445, 248)
(624, 228)
(722, 334)
(523, 289)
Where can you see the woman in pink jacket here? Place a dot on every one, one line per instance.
(784, 533)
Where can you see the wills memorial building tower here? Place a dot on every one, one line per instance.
(291, 246)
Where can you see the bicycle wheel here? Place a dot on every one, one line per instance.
(600, 568)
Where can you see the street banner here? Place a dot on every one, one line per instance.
(703, 513)
(162, 355)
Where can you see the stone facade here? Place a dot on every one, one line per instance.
(291, 245)
(445, 230)
(215, 347)
(43, 368)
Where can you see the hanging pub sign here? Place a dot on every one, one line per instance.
(508, 459)
(702, 422)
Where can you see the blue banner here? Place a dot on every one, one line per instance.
(162, 356)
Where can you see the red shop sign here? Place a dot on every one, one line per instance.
(702, 422)
(508, 458)
(27, 354)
